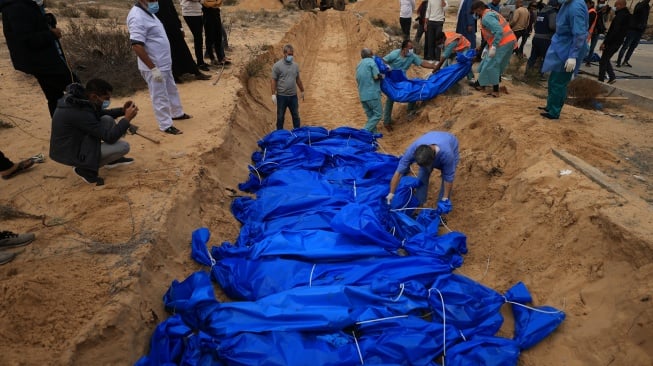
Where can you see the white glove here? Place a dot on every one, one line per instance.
(274, 99)
(302, 96)
(389, 197)
(156, 74)
(491, 52)
(570, 65)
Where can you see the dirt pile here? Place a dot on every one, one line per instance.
(88, 291)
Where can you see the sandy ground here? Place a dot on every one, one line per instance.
(88, 290)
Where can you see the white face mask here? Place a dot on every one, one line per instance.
(39, 2)
(411, 51)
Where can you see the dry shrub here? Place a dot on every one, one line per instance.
(69, 12)
(103, 51)
(584, 91)
(96, 12)
(260, 62)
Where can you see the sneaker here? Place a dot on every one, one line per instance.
(612, 81)
(626, 64)
(119, 162)
(173, 130)
(11, 240)
(89, 176)
(203, 67)
(6, 257)
(618, 64)
(201, 76)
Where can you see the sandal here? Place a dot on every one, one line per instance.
(183, 116)
(22, 166)
(173, 130)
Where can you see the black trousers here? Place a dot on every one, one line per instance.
(213, 31)
(53, 86)
(433, 29)
(405, 26)
(196, 27)
(604, 64)
(5, 163)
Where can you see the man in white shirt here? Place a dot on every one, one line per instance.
(150, 43)
(406, 10)
(435, 16)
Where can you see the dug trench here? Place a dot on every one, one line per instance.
(577, 246)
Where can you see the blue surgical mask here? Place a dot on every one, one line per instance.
(289, 58)
(105, 104)
(153, 7)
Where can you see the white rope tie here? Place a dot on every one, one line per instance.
(412, 208)
(409, 198)
(355, 193)
(401, 286)
(531, 308)
(444, 224)
(360, 355)
(444, 325)
(310, 279)
(462, 335)
(403, 242)
(265, 152)
(381, 319)
(257, 173)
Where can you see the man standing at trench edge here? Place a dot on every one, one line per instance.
(285, 80)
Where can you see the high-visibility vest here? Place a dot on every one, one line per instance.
(463, 43)
(591, 30)
(508, 35)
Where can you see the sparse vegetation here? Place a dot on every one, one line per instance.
(69, 12)
(260, 61)
(103, 51)
(96, 12)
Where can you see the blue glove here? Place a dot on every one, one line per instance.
(444, 207)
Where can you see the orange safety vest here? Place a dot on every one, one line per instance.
(463, 43)
(508, 35)
(591, 30)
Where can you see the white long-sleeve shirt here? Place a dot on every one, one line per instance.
(435, 10)
(406, 8)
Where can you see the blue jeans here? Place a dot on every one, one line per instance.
(631, 42)
(421, 193)
(291, 102)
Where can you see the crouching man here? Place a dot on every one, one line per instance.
(85, 134)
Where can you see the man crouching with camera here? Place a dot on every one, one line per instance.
(85, 134)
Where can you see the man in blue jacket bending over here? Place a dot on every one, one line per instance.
(434, 150)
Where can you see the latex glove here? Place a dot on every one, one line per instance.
(389, 197)
(444, 207)
(156, 74)
(274, 99)
(491, 52)
(570, 65)
(302, 96)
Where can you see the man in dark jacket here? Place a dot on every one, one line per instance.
(545, 28)
(613, 39)
(637, 26)
(33, 41)
(85, 134)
